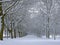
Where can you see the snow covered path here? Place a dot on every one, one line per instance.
(29, 40)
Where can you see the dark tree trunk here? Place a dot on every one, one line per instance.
(11, 30)
(14, 33)
(2, 22)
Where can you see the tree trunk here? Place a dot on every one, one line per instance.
(2, 22)
(48, 5)
(47, 30)
(54, 34)
(14, 33)
(11, 31)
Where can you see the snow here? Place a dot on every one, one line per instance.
(29, 40)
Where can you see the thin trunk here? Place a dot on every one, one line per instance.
(48, 30)
(19, 34)
(7, 33)
(14, 33)
(54, 34)
(11, 31)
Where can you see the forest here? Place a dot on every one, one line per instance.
(19, 18)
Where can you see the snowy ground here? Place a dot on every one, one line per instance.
(29, 40)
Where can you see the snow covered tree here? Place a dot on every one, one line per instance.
(2, 17)
(15, 17)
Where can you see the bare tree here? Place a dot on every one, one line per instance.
(2, 18)
(15, 18)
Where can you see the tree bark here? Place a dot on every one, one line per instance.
(14, 33)
(2, 22)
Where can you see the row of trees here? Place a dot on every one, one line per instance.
(9, 17)
(17, 11)
(52, 9)
(2, 19)
(48, 8)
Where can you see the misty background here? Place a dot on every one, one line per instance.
(31, 16)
